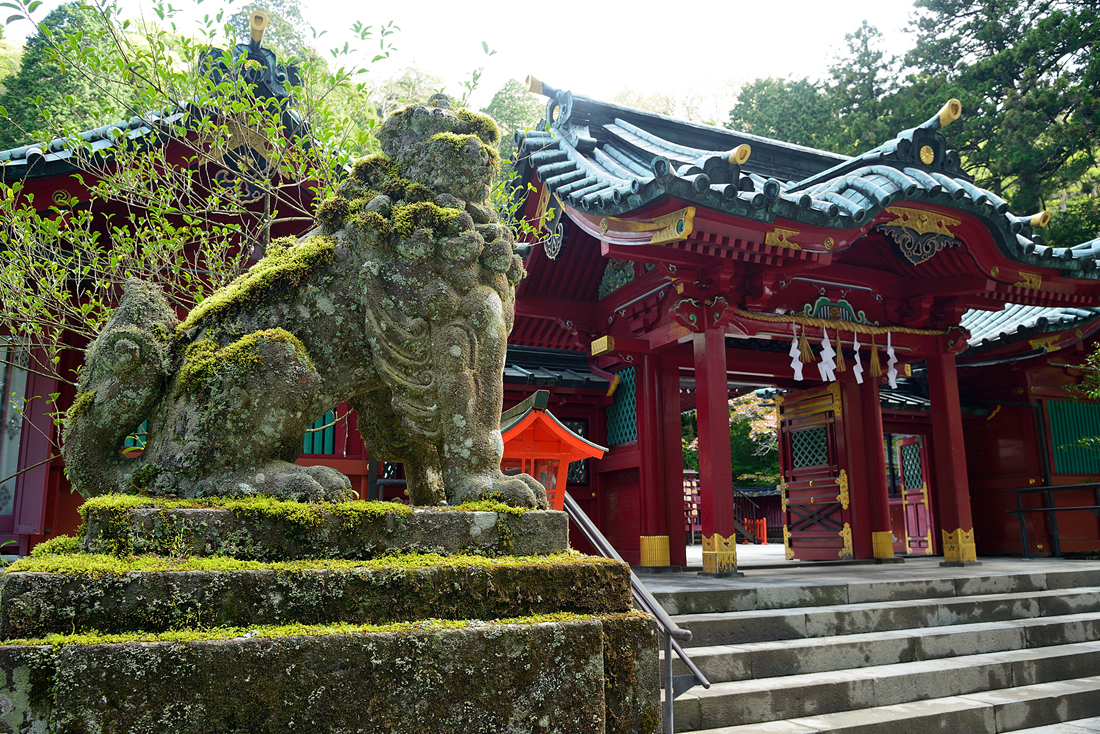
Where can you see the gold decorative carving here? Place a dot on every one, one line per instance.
(544, 203)
(958, 546)
(61, 197)
(846, 535)
(780, 237)
(719, 554)
(921, 221)
(882, 544)
(829, 242)
(671, 227)
(927, 155)
(783, 495)
(603, 345)
(834, 390)
(928, 542)
(924, 497)
(1033, 281)
(1045, 341)
(994, 271)
(654, 550)
(788, 551)
(1078, 333)
(842, 482)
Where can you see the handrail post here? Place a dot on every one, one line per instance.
(1053, 516)
(1023, 526)
(669, 692)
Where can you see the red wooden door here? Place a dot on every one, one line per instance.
(913, 465)
(816, 507)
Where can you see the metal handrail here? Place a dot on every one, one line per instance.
(674, 685)
(1050, 510)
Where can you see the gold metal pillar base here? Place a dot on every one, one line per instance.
(958, 546)
(882, 544)
(719, 554)
(654, 550)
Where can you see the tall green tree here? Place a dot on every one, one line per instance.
(795, 111)
(863, 88)
(50, 92)
(1028, 78)
(513, 108)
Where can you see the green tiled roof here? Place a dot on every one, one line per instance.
(609, 160)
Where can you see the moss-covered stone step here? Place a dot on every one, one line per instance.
(77, 593)
(263, 528)
(595, 674)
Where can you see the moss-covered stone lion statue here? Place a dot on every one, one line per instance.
(400, 302)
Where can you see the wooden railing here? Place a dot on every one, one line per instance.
(1051, 510)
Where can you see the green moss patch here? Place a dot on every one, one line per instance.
(480, 125)
(149, 595)
(267, 529)
(83, 401)
(290, 630)
(542, 674)
(61, 545)
(281, 270)
(99, 565)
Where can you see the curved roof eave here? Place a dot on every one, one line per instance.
(596, 161)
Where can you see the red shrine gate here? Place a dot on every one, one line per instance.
(816, 500)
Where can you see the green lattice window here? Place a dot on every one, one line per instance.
(321, 441)
(1072, 426)
(578, 470)
(622, 420)
(809, 447)
(910, 466)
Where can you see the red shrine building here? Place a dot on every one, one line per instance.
(919, 338)
(920, 334)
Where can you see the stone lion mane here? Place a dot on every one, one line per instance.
(400, 302)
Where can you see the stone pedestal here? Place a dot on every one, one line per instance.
(255, 616)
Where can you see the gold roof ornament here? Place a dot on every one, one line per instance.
(950, 112)
(740, 154)
(1041, 219)
(257, 24)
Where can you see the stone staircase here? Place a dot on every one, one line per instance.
(977, 652)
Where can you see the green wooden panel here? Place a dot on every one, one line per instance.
(622, 419)
(323, 441)
(1070, 423)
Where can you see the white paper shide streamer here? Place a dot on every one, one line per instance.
(796, 355)
(858, 369)
(891, 360)
(827, 366)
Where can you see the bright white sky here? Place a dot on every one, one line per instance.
(598, 48)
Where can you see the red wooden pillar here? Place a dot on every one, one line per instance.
(949, 459)
(855, 478)
(878, 492)
(654, 541)
(672, 455)
(715, 465)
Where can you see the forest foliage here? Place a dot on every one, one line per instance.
(1025, 72)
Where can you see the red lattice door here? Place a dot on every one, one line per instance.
(816, 506)
(914, 495)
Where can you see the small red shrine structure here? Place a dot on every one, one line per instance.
(537, 443)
